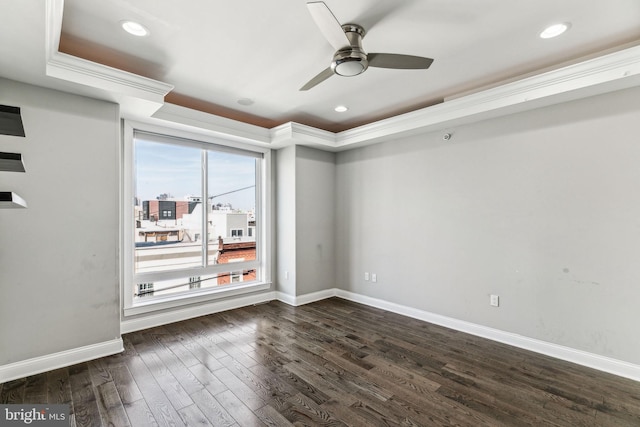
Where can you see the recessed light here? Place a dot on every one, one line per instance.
(341, 109)
(554, 30)
(135, 28)
(245, 101)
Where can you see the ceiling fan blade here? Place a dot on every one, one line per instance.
(324, 75)
(328, 24)
(403, 62)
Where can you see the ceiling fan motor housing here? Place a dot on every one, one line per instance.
(351, 60)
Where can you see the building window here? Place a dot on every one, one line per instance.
(194, 282)
(145, 289)
(216, 189)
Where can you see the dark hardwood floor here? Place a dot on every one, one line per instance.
(332, 362)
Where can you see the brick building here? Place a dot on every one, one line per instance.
(157, 210)
(236, 251)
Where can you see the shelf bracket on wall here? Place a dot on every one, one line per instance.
(10, 200)
(11, 162)
(11, 121)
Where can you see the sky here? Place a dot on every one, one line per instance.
(175, 170)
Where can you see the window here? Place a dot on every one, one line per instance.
(190, 202)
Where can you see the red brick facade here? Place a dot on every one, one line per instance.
(240, 251)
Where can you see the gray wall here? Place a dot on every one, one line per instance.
(59, 272)
(541, 208)
(306, 220)
(315, 220)
(286, 220)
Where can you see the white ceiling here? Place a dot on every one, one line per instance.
(216, 53)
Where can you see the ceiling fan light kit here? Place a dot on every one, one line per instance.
(350, 58)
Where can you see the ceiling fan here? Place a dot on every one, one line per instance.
(350, 58)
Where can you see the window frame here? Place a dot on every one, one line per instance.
(263, 262)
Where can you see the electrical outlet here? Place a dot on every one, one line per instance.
(374, 277)
(286, 275)
(494, 300)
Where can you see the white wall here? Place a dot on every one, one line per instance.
(541, 208)
(59, 277)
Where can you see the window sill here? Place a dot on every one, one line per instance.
(174, 301)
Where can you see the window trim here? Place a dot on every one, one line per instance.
(263, 208)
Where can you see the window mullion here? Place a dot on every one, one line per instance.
(205, 208)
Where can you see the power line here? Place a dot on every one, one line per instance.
(232, 191)
(151, 291)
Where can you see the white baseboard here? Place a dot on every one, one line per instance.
(61, 359)
(306, 298)
(591, 360)
(177, 315)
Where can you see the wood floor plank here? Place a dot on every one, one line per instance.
(303, 411)
(176, 347)
(112, 412)
(179, 370)
(301, 386)
(85, 407)
(243, 415)
(160, 406)
(172, 389)
(140, 414)
(233, 383)
(333, 390)
(271, 417)
(58, 387)
(212, 409)
(125, 384)
(13, 391)
(193, 416)
(234, 351)
(255, 383)
(346, 414)
(279, 389)
(35, 389)
(99, 372)
(207, 379)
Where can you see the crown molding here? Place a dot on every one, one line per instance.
(212, 125)
(143, 99)
(295, 133)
